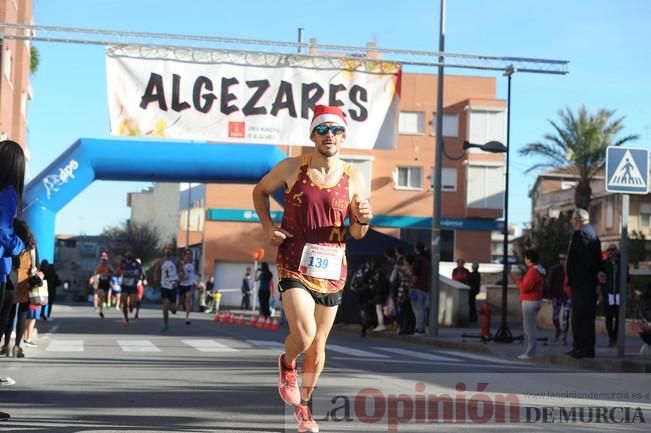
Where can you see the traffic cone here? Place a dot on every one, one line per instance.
(267, 323)
(241, 321)
(218, 317)
(231, 318)
(260, 322)
(252, 321)
(275, 325)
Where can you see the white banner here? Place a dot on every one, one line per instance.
(241, 97)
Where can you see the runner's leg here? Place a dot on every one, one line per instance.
(314, 359)
(299, 308)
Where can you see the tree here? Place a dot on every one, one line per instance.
(34, 59)
(548, 236)
(143, 239)
(579, 142)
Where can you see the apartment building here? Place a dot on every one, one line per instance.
(15, 90)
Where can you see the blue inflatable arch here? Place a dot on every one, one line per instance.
(89, 159)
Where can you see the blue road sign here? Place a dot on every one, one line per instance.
(627, 170)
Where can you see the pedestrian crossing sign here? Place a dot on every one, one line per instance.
(627, 170)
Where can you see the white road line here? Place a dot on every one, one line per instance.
(414, 354)
(66, 346)
(449, 363)
(485, 358)
(353, 352)
(137, 346)
(204, 345)
(267, 344)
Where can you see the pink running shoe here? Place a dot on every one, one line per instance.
(288, 383)
(303, 417)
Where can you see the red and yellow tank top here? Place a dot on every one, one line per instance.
(315, 214)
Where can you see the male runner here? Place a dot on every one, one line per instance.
(130, 270)
(103, 274)
(321, 190)
(168, 271)
(187, 284)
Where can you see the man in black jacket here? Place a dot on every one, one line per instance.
(582, 267)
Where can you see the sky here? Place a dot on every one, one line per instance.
(605, 41)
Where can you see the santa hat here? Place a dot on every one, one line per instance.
(325, 113)
(104, 256)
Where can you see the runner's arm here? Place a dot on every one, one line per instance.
(272, 181)
(360, 208)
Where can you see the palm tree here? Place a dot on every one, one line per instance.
(580, 143)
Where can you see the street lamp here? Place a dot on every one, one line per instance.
(503, 334)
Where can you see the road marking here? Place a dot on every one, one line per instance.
(451, 364)
(414, 354)
(353, 352)
(51, 331)
(66, 346)
(485, 358)
(267, 344)
(204, 345)
(137, 346)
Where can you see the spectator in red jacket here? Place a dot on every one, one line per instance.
(460, 273)
(531, 290)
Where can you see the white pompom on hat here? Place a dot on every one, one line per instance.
(325, 113)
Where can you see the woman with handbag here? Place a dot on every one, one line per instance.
(12, 181)
(28, 277)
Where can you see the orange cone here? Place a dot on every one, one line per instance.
(231, 318)
(267, 323)
(260, 322)
(241, 321)
(252, 322)
(275, 325)
(218, 317)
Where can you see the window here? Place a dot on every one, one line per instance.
(485, 187)
(486, 125)
(7, 64)
(450, 125)
(645, 214)
(411, 122)
(568, 184)
(409, 177)
(448, 180)
(23, 105)
(363, 165)
(610, 214)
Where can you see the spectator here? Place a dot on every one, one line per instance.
(360, 285)
(460, 273)
(609, 282)
(582, 266)
(265, 288)
(531, 288)
(379, 285)
(12, 181)
(474, 281)
(406, 320)
(247, 288)
(52, 283)
(421, 285)
(561, 303)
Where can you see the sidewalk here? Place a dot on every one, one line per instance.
(550, 353)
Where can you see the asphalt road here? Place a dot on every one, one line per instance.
(93, 375)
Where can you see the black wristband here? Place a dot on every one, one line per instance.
(361, 224)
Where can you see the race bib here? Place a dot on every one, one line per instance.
(321, 261)
(129, 281)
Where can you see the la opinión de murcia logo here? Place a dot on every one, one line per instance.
(464, 405)
(54, 182)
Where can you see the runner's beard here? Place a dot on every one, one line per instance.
(328, 153)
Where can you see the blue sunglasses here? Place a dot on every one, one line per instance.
(324, 129)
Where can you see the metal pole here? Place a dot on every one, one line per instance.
(623, 266)
(187, 225)
(503, 334)
(438, 166)
(300, 41)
